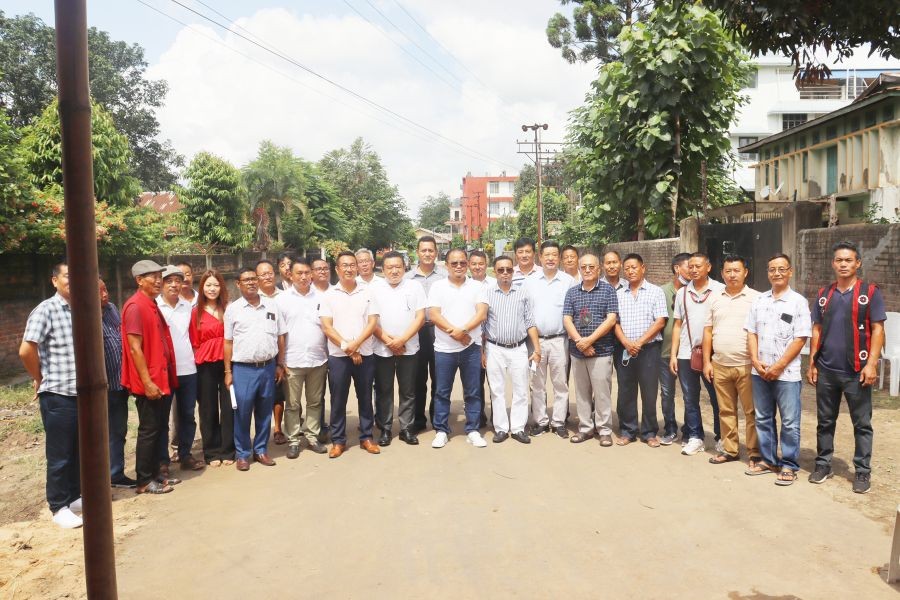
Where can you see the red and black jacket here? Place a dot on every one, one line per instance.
(858, 327)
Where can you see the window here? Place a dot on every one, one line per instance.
(791, 120)
(776, 172)
(494, 188)
(752, 80)
(500, 209)
(805, 166)
(456, 215)
(746, 141)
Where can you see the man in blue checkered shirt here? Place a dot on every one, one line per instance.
(48, 354)
(116, 395)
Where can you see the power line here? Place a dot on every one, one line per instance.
(343, 88)
(398, 126)
(399, 45)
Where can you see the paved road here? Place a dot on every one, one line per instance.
(507, 521)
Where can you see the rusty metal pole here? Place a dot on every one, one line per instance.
(81, 249)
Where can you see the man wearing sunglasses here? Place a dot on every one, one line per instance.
(453, 308)
(510, 322)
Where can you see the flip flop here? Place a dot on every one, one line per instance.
(786, 477)
(759, 469)
(154, 487)
(721, 459)
(215, 463)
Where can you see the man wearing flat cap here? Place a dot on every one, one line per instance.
(149, 373)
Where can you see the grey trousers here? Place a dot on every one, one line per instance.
(313, 378)
(593, 393)
(404, 369)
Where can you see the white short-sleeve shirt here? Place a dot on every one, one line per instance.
(697, 307)
(397, 309)
(350, 311)
(304, 344)
(253, 330)
(179, 320)
(458, 305)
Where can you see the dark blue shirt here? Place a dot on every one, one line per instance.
(112, 345)
(588, 310)
(834, 354)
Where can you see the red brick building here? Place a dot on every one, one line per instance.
(483, 201)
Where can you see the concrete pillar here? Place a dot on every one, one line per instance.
(689, 239)
(794, 217)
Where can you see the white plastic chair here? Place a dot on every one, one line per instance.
(891, 353)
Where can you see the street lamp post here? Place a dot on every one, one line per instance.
(537, 127)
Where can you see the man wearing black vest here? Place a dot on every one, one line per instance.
(847, 338)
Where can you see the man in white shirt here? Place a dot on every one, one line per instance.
(478, 262)
(177, 312)
(548, 292)
(187, 286)
(778, 325)
(254, 364)
(691, 307)
(525, 267)
(349, 316)
(305, 358)
(365, 265)
(401, 304)
(457, 317)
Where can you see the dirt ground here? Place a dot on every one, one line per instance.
(507, 521)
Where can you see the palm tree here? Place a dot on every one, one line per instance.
(275, 182)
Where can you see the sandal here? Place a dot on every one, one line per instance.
(168, 480)
(215, 463)
(721, 459)
(624, 441)
(759, 468)
(228, 462)
(786, 477)
(154, 487)
(192, 464)
(280, 438)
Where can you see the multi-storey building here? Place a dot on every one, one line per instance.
(483, 201)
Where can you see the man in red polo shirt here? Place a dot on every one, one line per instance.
(148, 372)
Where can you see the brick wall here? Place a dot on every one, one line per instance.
(657, 255)
(880, 249)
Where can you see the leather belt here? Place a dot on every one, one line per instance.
(258, 364)
(513, 345)
(552, 336)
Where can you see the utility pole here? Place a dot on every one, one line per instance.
(81, 250)
(537, 127)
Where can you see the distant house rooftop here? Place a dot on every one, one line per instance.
(162, 202)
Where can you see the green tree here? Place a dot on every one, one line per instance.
(214, 204)
(274, 180)
(15, 191)
(118, 83)
(553, 176)
(42, 155)
(556, 208)
(377, 214)
(435, 211)
(798, 28)
(593, 30)
(639, 141)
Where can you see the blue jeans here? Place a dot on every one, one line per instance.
(667, 397)
(468, 362)
(117, 412)
(59, 415)
(341, 371)
(185, 399)
(254, 390)
(690, 390)
(785, 395)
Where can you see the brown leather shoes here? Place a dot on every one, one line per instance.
(369, 446)
(337, 450)
(243, 464)
(264, 459)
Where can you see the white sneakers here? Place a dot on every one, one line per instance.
(440, 440)
(693, 446)
(476, 440)
(66, 519)
(76, 506)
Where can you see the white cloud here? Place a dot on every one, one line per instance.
(225, 103)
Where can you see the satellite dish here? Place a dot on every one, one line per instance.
(778, 189)
(764, 193)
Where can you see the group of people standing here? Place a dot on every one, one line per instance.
(269, 355)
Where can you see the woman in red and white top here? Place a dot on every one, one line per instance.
(207, 333)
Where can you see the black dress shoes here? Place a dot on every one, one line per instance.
(293, 451)
(409, 437)
(521, 437)
(385, 438)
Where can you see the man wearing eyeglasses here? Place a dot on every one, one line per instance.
(349, 316)
(777, 327)
(642, 316)
(265, 271)
(365, 264)
(321, 281)
(254, 364)
(457, 316)
(690, 317)
(590, 312)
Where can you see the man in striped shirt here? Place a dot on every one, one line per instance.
(510, 322)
